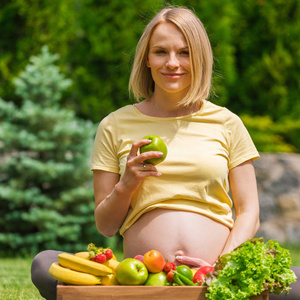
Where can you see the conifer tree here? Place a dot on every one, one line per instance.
(46, 197)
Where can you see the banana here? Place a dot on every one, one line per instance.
(83, 265)
(109, 280)
(114, 257)
(83, 254)
(112, 264)
(72, 277)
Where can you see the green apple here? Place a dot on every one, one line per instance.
(157, 279)
(131, 271)
(157, 144)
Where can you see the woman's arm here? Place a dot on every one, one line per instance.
(109, 210)
(113, 195)
(245, 198)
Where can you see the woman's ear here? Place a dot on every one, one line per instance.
(147, 62)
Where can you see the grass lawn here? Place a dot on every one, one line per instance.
(15, 282)
(295, 253)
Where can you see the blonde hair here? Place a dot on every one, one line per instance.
(201, 58)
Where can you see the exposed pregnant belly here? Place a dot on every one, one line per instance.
(176, 233)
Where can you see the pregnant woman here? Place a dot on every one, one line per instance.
(182, 207)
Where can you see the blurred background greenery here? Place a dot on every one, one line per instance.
(52, 99)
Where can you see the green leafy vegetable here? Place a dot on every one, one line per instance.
(250, 269)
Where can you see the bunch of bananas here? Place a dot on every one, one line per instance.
(78, 269)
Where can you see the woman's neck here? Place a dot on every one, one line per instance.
(167, 107)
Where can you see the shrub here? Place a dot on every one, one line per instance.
(269, 136)
(46, 195)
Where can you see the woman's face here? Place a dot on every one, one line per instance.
(169, 60)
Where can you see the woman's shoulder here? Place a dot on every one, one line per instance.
(119, 113)
(124, 110)
(220, 112)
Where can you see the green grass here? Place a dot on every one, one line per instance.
(15, 281)
(295, 253)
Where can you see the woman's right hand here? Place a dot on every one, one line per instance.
(136, 170)
(113, 195)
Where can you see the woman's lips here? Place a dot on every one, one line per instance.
(173, 75)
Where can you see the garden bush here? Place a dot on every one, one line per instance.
(46, 195)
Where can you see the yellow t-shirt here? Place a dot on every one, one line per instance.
(202, 148)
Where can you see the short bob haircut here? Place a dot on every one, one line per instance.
(141, 83)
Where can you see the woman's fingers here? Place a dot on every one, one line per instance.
(148, 155)
(135, 147)
(136, 170)
(192, 261)
(139, 159)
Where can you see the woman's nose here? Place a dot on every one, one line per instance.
(172, 61)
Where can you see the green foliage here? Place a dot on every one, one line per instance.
(255, 45)
(46, 196)
(289, 129)
(95, 41)
(45, 87)
(266, 35)
(269, 136)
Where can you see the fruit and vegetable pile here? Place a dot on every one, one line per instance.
(248, 270)
(99, 266)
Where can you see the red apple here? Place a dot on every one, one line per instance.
(139, 257)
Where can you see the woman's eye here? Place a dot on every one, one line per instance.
(160, 51)
(185, 53)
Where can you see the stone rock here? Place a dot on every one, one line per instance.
(293, 232)
(278, 183)
(289, 201)
(267, 205)
(272, 231)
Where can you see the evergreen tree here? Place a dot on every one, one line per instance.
(46, 197)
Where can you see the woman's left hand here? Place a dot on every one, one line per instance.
(192, 262)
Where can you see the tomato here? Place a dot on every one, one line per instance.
(170, 276)
(169, 265)
(185, 271)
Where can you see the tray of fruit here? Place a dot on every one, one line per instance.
(248, 272)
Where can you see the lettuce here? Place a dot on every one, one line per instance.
(250, 269)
